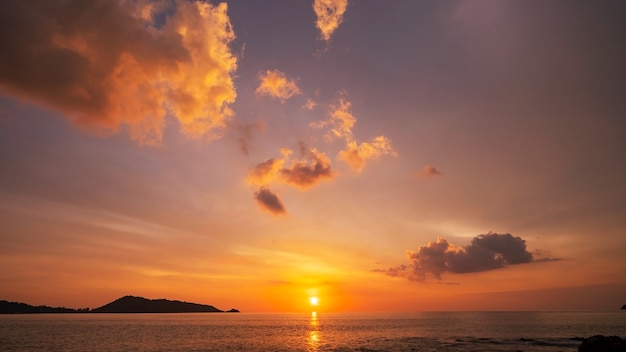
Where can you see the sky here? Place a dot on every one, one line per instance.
(378, 155)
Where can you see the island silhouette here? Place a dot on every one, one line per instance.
(126, 304)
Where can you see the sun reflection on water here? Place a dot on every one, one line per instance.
(314, 335)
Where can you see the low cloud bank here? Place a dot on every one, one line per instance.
(486, 252)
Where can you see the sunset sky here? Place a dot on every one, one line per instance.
(379, 155)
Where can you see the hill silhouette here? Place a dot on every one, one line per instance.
(7, 307)
(132, 304)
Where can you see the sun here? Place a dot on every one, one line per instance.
(314, 300)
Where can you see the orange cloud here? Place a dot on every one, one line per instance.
(309, 105)
(265, 172)
(269, 201)
(304, 174)
(275, 84)
(340, 124)
(429, 171)
(356, 155)
(64, 55)
(329, 15)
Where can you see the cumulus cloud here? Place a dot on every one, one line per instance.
(313, 167)
(306, 173)
(329, 15)
(485, 252)
(339, 125)
(303, 173)
(269, 201)
(108, 64)
(429, 171)
(275, 84)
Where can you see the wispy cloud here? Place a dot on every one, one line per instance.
(131, 77)
(485, 252)
(329, 15)
(356, 154)
(429, 171)
(340, 120)
(275, 84)
(309, 105)
(339, 125)
(246, 132)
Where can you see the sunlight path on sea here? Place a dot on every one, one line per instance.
(314, 334)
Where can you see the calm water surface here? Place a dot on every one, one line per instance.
(443, 331)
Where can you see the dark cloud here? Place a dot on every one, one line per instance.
(108, 64)
(485, 252)
(269, 201)
(303, 173)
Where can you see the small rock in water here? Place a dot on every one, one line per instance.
(601, 343)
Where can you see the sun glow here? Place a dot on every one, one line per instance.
(314, 301)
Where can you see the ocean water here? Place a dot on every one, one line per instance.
(430, 331)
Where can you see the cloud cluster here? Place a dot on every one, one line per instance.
(315, 166)
(107, 64)
(485, 252)
(130, 64)
(275, 84)
(306, 173)
(329, 15)
(303, 173)
(339, 124)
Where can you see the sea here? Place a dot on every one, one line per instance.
(427, 331)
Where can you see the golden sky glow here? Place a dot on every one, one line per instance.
(313, 156)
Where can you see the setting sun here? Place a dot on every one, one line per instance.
(313, 300)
